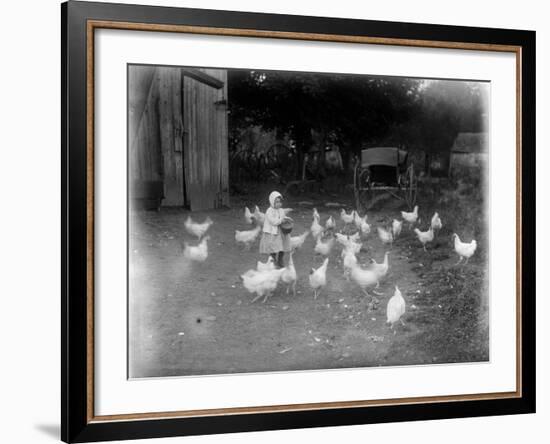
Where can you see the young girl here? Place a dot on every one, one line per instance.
(273, 241)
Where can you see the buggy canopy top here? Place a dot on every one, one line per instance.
(387, 156)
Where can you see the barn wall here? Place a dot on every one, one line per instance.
(206, 143)
(178, 137)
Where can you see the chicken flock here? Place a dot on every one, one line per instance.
(263, 281)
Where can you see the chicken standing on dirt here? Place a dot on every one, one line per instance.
(395, 308)
(258, 215)
(436, 222)
(385, 236)
(381, 269)
(347, 218)
(364, 279)
(424, 236)
(324, 248)
(263, 283)
(289, 275)
(464, 250)
(197, 229)
(316, 228)
(267, 265)
(411, 217)
(247, 237)
(248, 216)
(296, 242)
(198, 253)
(396, 227)
(318, 278)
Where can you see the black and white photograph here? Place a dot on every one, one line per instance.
(284, 221)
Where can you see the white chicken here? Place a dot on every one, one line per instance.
(349, 261)
(197, 229)
(342, 239)
(411, 217)
(324, 248)
(381, 269)
(289, 275)
(248, 216)
(350, 243)
(385, 236)
(464, 250)
(358, 220)
(267, 265)
(318, 278)
(247, 237)
(316, 215)
(365, 227)
(330, 224)
(258, 215)
(287, 211)
(296, 242)
(316, 228)
(347, 218)
(198, 253)
(396, 227)
(263, 283)
(395, 308)
(424, 236)
(364, 278)
(436, 222)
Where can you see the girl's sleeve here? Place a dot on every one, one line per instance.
(273, 217)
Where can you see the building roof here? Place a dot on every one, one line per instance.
(470, 143)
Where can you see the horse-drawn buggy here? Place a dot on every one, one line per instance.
(384, 170)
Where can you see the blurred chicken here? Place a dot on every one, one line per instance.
(380, 269)
(395, 308)
(316, 215)
(248, 216)
(349, 261)
(247, 237)
(267, 265)
(425, 236)
(464, 250)
(197, 229)
(364, 278)
(330, 224)
(197, 253)
(289, 275)
(385, 236)
(324, 248)
(412, 217)
(347, 218)
(318, 278)
(296, 242)
(358, 220)
(258, 215)
(350, 243)
(365, 227)
(316, 228)
(342, 239)
(396, 226)
(263, 283)
(287, 211)
(436, 222)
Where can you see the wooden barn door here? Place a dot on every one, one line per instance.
(206, 141)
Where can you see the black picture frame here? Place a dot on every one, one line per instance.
(77, 424)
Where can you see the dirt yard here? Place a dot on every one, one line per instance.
(197, 318)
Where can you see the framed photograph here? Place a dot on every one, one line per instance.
(276, 221)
